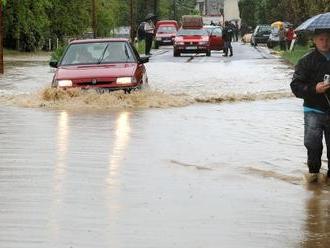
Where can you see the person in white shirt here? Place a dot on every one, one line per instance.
(149, 29)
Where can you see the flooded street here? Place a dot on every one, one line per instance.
(210, 156)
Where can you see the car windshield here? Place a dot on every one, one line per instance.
(213, 30)
(167, 29)
(264, 29)
(97, 53)
(183, 32)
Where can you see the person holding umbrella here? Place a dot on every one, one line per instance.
(149, 29)
(310, 82)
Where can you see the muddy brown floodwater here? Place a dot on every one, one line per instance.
(204, 160)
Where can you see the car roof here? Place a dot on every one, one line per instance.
(211, 26)
(99, 40)
(263, 25)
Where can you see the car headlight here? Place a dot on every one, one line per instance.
(158, 38)
(126, 80)
(181, 43)
(64, 83)
(203, 43)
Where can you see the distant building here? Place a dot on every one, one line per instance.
(228, 8)
(210, 7)
(231, 10)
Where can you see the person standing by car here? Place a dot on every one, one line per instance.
(282, 38)
(309, 84)
(289, 36)
(149, 29)
(236, 30)
(227, 36)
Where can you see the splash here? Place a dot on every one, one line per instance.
(77, 99)
(72, 99)
(275, 175)
(243, 97)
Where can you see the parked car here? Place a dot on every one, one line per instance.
(165, 32)
(191, 41)
(107, 64)
(261, 34)
(215, 36)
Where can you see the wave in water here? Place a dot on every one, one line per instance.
(77, 99)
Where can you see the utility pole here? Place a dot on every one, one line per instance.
(1, 39)
(131, 20)
(94, 18)
(156, 7)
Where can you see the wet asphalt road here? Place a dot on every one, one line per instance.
(222, 173)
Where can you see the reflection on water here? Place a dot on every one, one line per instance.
(121, 139)
(59, 170)
(62, 149)
(318, 218)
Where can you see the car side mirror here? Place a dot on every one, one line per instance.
(143, 60)
(53, 63)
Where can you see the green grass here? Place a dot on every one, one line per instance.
(294, 56)
(140, 46)
(57, 54)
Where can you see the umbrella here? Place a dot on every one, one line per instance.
(318, 22)
(277, 24)
(150, 16)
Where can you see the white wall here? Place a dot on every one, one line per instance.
(231, 10)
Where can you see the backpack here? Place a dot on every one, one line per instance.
(141, 33)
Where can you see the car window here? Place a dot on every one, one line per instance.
(166, 29)
(262, 30)
(97, 52)
(208, 30)
(217, 32)
(192, 32)
(117, 52)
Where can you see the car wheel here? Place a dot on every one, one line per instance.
(208, 53)
(270, 44)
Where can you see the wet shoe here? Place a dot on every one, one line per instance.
(224, 55)
(311, 177)
(231, 55)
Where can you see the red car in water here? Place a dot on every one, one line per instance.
(165, 32)
(215, 34)
(191, 40)
(103, 64)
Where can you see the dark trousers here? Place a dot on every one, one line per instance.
(283, 45)
(236, 36)
(316, 125)
(149, 38)
(227, 46)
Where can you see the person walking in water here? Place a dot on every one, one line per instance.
(149, 28)
(309, 83)
(227, 35)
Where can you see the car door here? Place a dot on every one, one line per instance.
(216, 41)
